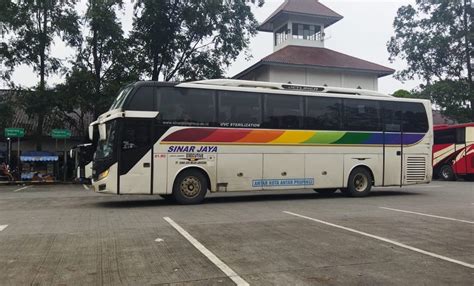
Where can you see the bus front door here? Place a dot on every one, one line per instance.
(135, 156)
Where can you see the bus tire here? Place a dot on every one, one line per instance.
(359, 183)
(325, 192)
(190, 187)
(446, 173)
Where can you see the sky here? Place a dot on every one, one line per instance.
(363, 33)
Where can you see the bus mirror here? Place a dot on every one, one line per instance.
(91, 132)
(102, 132)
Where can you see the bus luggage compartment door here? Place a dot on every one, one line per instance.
(239, 172)
(284, 171)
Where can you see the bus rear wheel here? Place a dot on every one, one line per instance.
(190, 187)
(360, 183)
(325, 192)
(446, 173)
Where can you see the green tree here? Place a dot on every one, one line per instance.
(8, 11)
(186, 40)
(451, 97)
(38, 24)
(104, 54)
(433, 37)
(403, 94)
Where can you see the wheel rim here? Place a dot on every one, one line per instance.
(360, 182)
(445, 173)
(190, 187)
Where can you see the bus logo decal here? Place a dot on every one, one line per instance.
(192, 149)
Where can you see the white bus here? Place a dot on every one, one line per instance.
(184, 140)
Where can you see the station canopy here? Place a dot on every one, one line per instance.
(38, 156)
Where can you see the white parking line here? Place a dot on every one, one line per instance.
(428, 215)
(213, 258)
(2, 227)
(85, 187)
(17, 190)
(386, 240)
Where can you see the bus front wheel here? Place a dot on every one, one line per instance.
(190, 187)
(360, 183)
(446, 173)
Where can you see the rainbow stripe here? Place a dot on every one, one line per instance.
(287, 137)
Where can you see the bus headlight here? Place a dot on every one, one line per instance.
(103, 175)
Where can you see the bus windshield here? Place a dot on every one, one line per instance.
(119, 101)
(105, 147)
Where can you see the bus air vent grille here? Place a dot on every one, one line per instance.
(416, 169)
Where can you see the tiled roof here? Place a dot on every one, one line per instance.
(319, 57)
(311, 8)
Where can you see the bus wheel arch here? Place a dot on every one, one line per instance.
(197, 181)
(359, 182)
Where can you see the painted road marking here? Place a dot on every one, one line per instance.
(17, 190)
(428, 215)
(213, 258)
(2, 227)
(386, 240)
(85, 187)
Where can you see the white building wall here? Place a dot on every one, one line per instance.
(365, 81)
(311, 76)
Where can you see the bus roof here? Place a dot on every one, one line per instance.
(280, 88)
(446, 126)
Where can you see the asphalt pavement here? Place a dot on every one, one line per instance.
(67, 235)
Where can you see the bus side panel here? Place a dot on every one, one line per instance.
(239, 172)
(372, 161)
(283, 171)
(325, 169)
(470, 150)
(160, 173)
(459, 162)
(417, 167)
(178, 162)
(138, 179)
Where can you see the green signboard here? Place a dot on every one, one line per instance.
(14, 132)
(61, 133)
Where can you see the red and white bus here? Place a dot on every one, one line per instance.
(453, 151)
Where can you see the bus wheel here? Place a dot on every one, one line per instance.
(325, 192)
(446, 173)
(360, 183)
(190, 187)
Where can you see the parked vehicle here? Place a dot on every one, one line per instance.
(181, 140)
(453, 152)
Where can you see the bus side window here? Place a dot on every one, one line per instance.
(392, 116)
(461, 135)
(142, 100)
(136, 134)
(323, 113)
(447, 136)
(187, 106)
(283, 111)
(414, 117)
(362, 115)
(239, 109)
